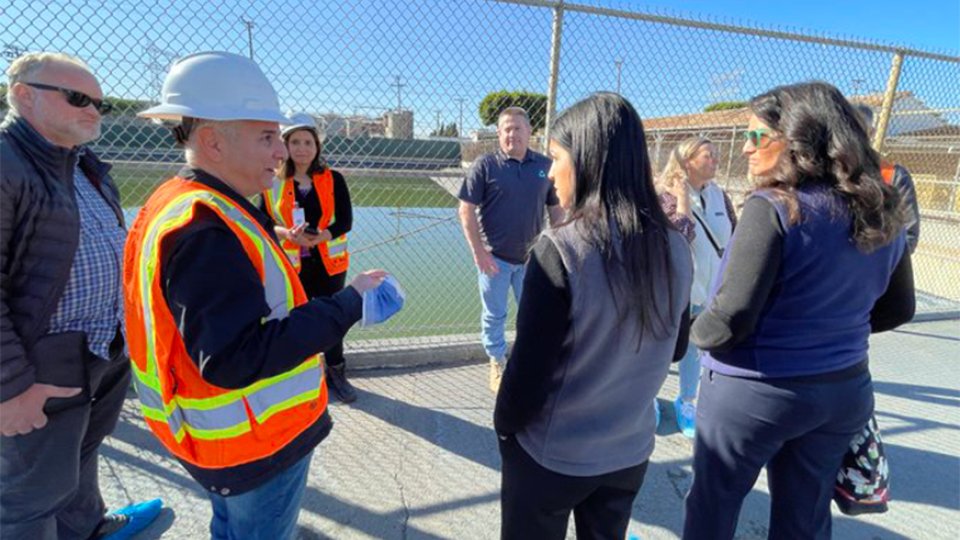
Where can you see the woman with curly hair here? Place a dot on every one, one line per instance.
(817, 262)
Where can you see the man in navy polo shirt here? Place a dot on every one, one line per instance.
(508, 190)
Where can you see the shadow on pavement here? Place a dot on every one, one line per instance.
(463, 438)
(948, 397)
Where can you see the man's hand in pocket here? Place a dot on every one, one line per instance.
(22, 414)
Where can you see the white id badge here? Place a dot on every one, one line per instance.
(298, 217)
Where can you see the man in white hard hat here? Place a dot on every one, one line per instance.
(63, 373)
(225, 345)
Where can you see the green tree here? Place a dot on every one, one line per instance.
(3, 96)
(725, 106)
(534, 104)
(130, 107)
(447, 130)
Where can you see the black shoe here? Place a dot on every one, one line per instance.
(339, 385)
(110, 524)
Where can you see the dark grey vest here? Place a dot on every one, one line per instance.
(600, 417)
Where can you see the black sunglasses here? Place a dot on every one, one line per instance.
(75, 98)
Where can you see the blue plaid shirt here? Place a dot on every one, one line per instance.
(93, 301)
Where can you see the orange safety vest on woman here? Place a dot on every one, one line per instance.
(203, 424)
(279, 201)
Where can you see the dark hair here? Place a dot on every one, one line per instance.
(827, 145)
(615, 204)
(287, 168)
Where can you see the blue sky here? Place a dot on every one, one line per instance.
(343, 55)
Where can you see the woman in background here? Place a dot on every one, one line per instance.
(310, 205)
(702, 211)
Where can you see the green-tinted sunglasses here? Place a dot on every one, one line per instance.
(760, 137)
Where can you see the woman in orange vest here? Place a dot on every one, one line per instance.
(310, 206)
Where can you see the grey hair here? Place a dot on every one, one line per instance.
(25, 66)
(226, 129)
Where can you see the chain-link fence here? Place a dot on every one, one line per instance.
(398, 88)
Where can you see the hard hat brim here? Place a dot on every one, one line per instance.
(176, 112)
(286, 130)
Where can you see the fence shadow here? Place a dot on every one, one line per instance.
(936, 395)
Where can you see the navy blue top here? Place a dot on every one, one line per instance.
(817, 295)
(510, 195)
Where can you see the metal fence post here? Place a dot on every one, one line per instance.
(554, 70)
(888, 98)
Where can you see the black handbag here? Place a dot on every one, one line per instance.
(863, 482)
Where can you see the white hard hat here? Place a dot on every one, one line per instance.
(297, 121)
(218, 86)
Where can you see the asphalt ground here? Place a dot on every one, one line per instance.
(416, 457)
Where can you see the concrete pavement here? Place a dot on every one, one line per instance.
(415, 457)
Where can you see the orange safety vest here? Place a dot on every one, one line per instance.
(203, 424)
(279, 201)
(887, 170)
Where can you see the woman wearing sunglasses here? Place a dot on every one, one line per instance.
(702, 211)
(817, 262)
(603, 312)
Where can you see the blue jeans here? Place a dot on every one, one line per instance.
(493, 296)
(266, 513)
(689, 367)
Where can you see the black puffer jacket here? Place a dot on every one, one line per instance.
(39, 234)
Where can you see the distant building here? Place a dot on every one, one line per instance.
(352, 127)
(399, 124)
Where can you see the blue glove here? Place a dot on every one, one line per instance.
(381, 303)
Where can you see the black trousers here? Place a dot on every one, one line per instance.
(48, 477)
(535, 502)
(798, 430)
(317, 283)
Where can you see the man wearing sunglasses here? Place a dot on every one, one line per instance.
(63, 371)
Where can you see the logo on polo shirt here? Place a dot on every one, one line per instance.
(543, 173)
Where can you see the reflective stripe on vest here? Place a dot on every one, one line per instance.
(279, 200)
(274, 202)
(220, 413)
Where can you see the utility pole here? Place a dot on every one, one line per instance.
(158, 62)
(398, 84)
(619, 63)
(439, 127)
(460, 125)
(249, 25)
(856, 86)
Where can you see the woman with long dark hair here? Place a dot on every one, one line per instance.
(310, 205)
(817, 262)
(603, 313)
